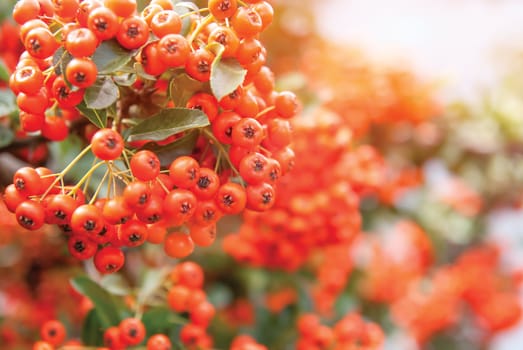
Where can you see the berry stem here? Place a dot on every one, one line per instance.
(223, 152)
(95, 195)
(86, 177)
(208, 19)
(203, 9)
(66, 170)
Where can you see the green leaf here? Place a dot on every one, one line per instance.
(106, 308)
(7, 102)
(161, 320)
(152, 281)
(183, 8)
(60, 60)
(92, 330)
(6, 136)
(182, 87)
(4, 71)
(183, 146)
(98, 118)
(115, 284)
(126, 79)
(110, 56)
(102, 94)
(226, 75)
(168, 122)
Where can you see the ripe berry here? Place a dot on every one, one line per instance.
(107, 144)
(109, 259)
(178, 245)
(53, 332)
(133, 33)
(81, 72)
(159, 342)
(260, 197)
(81, 246)
(184, 171)
(87, 219)
(145, 165)
(231, 198)
(132, 331)
(207, 184)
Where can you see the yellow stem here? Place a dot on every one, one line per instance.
(93, 199)
(66, 169)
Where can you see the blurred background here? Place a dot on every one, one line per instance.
(406, 200)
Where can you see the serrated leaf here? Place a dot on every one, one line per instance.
(226, 75)
(183, 146)
(98, 118)
(92, 329)
(102, 94)
(7, 102)
(106, 308)
(168, 122)
(182, 87)
(110, 56)
(4, 71)
(6, 136)
(115, 284)
(161, 320)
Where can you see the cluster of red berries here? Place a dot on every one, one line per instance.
(397, 273)
(187, 296)
(403, 254)
(235, 164)
(131, 332)
(315, 208)
(351, 332)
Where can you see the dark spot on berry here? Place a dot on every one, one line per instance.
(20, 184)
(79, 246)
(35, 45)
(153, 218)
(204, 182)
(203, 66)
(185, 208)
(266, 197)
(258, 165)
(100, 25)
(133, 332)
(143, 199)
(25, 221)
(79, 77)
(249, 132)
(208, 215)
(135, 237)
(89, 225)
(228, 200)
(224, 5)
(133, 31)
(60, 214)
(110, 142)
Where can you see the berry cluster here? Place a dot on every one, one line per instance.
(187, 296)
(241, 136)
(314, 209)
(351, 332)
